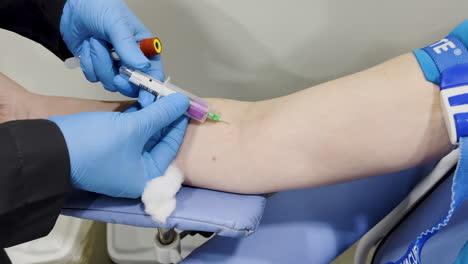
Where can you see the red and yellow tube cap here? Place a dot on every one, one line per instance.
(151, 47)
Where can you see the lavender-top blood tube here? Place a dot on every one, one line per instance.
(198, 110)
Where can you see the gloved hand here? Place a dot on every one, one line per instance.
(429, 67)
(109, 152)
(154, 139)
(89, 26)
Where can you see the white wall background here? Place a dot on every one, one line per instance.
(253, 49)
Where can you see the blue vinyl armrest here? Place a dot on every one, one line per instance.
(226, 214)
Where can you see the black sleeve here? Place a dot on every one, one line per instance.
(4, 257)
(34, 179)
(38, 20)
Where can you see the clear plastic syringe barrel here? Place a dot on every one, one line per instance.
(198, 109)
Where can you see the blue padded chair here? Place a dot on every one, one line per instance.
(302, 226)
(313, 225)
(423, 207)
(222, 213)
(197, 209)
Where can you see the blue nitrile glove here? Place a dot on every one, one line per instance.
(109, 151)
(429, 67)
(89, 26)
(156, 136)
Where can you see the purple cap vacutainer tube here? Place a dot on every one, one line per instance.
(198, 110)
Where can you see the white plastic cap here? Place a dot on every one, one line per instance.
(72, 63)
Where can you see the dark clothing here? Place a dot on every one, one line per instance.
(34, 179)
(4, 257)
(38, 20)
(34, 160)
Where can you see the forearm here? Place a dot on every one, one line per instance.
(47, 106)
(17, 103)
(381, 120)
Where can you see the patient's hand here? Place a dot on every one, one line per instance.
(17, 103)
(13, 101)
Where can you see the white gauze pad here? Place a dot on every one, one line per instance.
(159, 194)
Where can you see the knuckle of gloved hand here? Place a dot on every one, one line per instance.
(173, 142)
(125, 123)
(157, 74)
(109, 87)
(179, 101)
(165, 113)
(90, 77)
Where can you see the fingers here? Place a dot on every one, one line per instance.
(166, 150)
(103, 64)
(125, 87)
(141, 32)
(86, 63)
(154, 139)
(156, 69)
(133, 108)
(145, 98)
(160, 114)
(98, 65)
(122, 38)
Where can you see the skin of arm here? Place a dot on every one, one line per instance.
(381, 120)
(17, 103)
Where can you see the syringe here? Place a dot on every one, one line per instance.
(198, 110)
(150, 47)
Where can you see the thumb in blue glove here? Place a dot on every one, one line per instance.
(88, 27)
(108, 152)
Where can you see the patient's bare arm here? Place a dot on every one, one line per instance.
(381, 120)
(17, 103)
